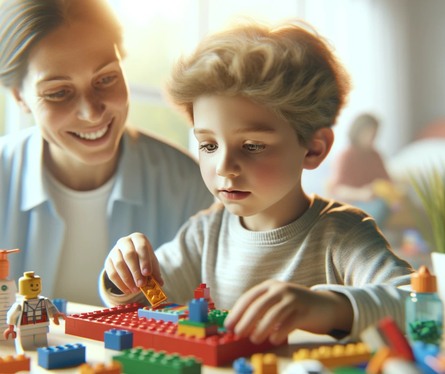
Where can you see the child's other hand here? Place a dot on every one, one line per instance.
(272, 309)
(130, 262)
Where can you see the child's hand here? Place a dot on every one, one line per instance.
(130, 262)
(272, 309)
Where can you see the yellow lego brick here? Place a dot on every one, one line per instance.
(190, 329)
(153, 292)
(264, 363)
(336, 355)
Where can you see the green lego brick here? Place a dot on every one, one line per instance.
(138, 360)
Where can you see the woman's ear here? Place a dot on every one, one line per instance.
(18, 97)
(318, 147)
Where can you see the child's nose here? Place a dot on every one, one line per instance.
(228, 165)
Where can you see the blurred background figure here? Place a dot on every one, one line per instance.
(359, 176)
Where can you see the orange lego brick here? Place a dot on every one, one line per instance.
(336, 355)
(264, 363)
(153, 292)
(13, 364)
(113, 368)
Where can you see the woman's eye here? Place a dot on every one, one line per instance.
(254, 147)
(208, 147)
(57, 95)
(106, 80)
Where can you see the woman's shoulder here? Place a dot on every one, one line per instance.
(17, 142)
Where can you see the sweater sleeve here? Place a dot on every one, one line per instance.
(369, 274)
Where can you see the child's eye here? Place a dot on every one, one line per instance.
(208, 147)
(254, 147)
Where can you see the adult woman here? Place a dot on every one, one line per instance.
(360, 174)
(80, 178)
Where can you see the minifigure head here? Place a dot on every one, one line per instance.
(290, 70)
(30, 285)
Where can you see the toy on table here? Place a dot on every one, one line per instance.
(153, 292)
(8, 288)
(31, 315)
(424, 309)
(214, 348)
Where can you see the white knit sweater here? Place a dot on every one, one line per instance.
(331, 247)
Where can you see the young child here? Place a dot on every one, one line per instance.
(262, 102)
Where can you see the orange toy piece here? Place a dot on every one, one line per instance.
(264, 363)
(153, 292)
(336, 355)
(113, 368)
(10, 364)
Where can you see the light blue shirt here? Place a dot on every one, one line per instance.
(157, 187)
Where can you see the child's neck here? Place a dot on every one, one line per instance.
(277, 217)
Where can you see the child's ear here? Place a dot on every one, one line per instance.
(18, 97)
(318, 147)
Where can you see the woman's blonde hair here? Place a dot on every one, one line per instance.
(23, 23)
(289, 69)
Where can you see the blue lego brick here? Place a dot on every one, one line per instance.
(421, 352)
(138, 360)
(198, 310)
(169, 313)
(61, 356)
(60, 305)
(118, 339)
(242, 366)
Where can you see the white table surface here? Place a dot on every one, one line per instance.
(96, 353)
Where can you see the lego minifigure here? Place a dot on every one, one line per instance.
(31, 314)
(8, 288)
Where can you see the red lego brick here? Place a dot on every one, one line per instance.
(13, 364)
(215, 350)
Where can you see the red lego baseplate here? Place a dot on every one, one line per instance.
(216, 350)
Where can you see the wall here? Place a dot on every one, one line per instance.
(427, 60)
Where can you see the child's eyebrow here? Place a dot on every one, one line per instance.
(252, 128)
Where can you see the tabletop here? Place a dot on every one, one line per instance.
(96, 353)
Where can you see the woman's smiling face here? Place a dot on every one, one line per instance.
(76, 91)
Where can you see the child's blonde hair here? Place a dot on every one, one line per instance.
(289, 69)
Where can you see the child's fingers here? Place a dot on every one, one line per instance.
(114, 276)
(238, 318)
(273, 320)
(148, 263)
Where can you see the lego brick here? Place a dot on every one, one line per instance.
(197, 329)
(13, 364)
(336, 355)
(112, 368)
(215, 350)
(395, 339)
(198, 310)
(264, 363)
(61, 356)
(217, 317)
(153, 292)
(60, 305)
(139, 361)
(242, 366)
(202, 291)
(168, 312)
(118, 339)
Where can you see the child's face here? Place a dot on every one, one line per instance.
(250, 160)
